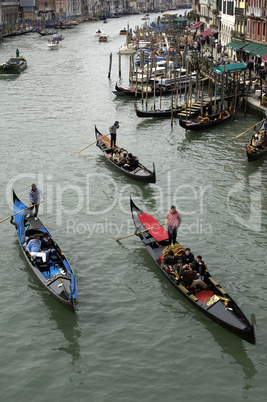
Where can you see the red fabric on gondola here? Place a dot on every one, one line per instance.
(204, 295)
(159, 233)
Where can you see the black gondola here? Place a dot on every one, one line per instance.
(159, 113)
(140, 173)
(205, 122)
(214, 302)
(55, 274)
(137, 92)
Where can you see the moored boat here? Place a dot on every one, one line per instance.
(123, 31)
(214, 302)
(159, 113)
(137, 92)
(55, 274)
(140, 173)
(15, 65)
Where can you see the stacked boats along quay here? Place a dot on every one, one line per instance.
(165, 63)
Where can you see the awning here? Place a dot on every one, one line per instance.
(260, 51)
(236, 45)
(208, 32)
(230, 68)
(250, 48)
(197, 25)
(264, 59)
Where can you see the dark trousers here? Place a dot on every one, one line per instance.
(172, 232)
(113, 140)
(36, 209)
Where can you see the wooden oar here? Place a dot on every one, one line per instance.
(142, 231)
(250, 128)
(18, 212)
(90, 144)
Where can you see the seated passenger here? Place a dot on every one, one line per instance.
(187, 257)
(47, 245)
(132, 161)
(123, 160)
(171, 261)
(188, 277)
(254, 141)
(116, 156)
(34, 248)
(200, 265)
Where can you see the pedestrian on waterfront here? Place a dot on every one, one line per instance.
(174, 221)
(250, 67)
(219, 47)
(35, 198)
(17, 53)
(113, 132)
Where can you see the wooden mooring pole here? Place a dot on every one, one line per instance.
(110, 65)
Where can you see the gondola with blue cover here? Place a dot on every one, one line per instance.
(56, 273)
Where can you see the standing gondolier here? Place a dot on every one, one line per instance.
(35, 197)
(174, 221)
(113, 132)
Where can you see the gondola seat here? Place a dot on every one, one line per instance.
(43, 266)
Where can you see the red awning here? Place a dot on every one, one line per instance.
(197, 25)
(208, 32)
(159, 233)
(264, 58)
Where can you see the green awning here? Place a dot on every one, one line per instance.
(236, 45)
(250, 48)
(260, 51)
(180, 19)
(230, 68)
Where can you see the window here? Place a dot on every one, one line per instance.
(224, 7)
(253, 29)
(263, 31)
(248, 26)
(230, 8)
(259, 29)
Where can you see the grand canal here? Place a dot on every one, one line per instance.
(133, 337)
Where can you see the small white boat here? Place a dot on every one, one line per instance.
(103, 38)
(99, 32)
(53, 44)
(127, 49)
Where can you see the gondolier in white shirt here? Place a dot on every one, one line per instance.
(113, 132)
(35, 198)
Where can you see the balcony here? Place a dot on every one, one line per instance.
(254, 12)
(239, 12)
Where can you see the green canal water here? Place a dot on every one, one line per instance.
(134, 338)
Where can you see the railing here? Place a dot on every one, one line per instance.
(254, 12)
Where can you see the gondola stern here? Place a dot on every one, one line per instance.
(153, 180)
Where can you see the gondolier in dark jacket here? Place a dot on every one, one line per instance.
(35, 197)
(113, 132)
(174, 221)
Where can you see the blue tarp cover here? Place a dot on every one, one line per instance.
(19, 219)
